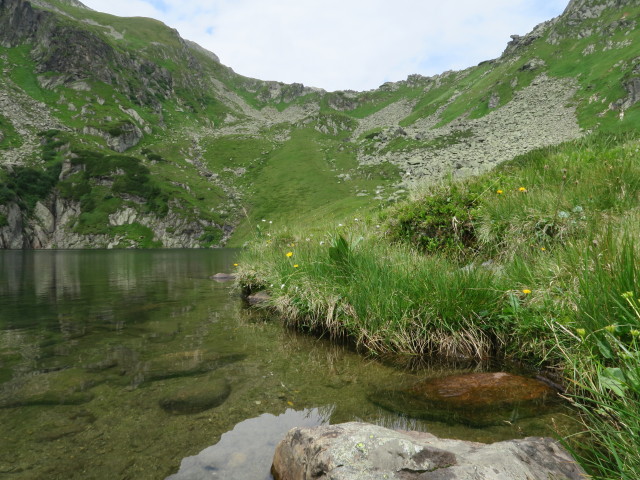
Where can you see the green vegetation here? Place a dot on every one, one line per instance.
(9, 138)
(521, 262)
(211, 237)
(135, 235)
(300, 183)
(22, 69)
(102, 183)
(28, 185)
(534, 261)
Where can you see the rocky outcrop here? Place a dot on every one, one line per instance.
(51, 225)
(632, 86)
(359, 451)
(80, 54)
(537, 116)
(12, 233)
(127, 135)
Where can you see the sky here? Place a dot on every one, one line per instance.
(344, 44)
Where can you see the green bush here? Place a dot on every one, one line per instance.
(442, 220)
(128, 174)
(29, 185)
(211, 237)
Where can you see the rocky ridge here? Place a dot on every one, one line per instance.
(537, 116)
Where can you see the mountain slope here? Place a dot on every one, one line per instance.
(116, 132)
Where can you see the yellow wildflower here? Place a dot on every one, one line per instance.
(522, 189)
(526, 291)
(289, 254)
(295, 266)
(499, 192)
(235, 264)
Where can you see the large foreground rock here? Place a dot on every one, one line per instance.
(360, 451)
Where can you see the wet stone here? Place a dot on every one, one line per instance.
(477, 399)
(196, 397)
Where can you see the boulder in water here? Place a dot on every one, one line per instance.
(476, 399)
(197, 396)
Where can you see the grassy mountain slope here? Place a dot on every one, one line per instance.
(217, 152)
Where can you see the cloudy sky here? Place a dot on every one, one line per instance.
(344, 44)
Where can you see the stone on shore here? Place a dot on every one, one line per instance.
(360, 451)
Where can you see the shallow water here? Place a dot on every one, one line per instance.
(120, 364)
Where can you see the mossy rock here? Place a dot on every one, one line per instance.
(196, 397)
(477, 400)
(64, 387)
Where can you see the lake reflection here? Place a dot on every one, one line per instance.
(246, 451)
(119, 364)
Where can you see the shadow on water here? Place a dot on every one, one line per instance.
(126, 364)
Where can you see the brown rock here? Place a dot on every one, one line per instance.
(477, 399)
(478, 389)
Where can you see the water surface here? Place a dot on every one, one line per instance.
(120, 364)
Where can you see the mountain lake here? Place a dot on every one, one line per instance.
(136, 364)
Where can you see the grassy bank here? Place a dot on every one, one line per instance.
(527, 262)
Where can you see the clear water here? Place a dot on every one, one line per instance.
(108, 360)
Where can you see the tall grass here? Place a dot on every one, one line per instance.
(605, 364)
(549, 249)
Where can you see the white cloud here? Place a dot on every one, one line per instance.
(344, 44)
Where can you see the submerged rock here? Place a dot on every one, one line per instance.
(197, 396)
(360, 451)
(63, 387)
(476, 399)
(258, 298)
(223, 277)
(185, 364)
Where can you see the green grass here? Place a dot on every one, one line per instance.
(298, 183)
(10, 138)
(139, 32)
(21, 71)
(526, 262)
